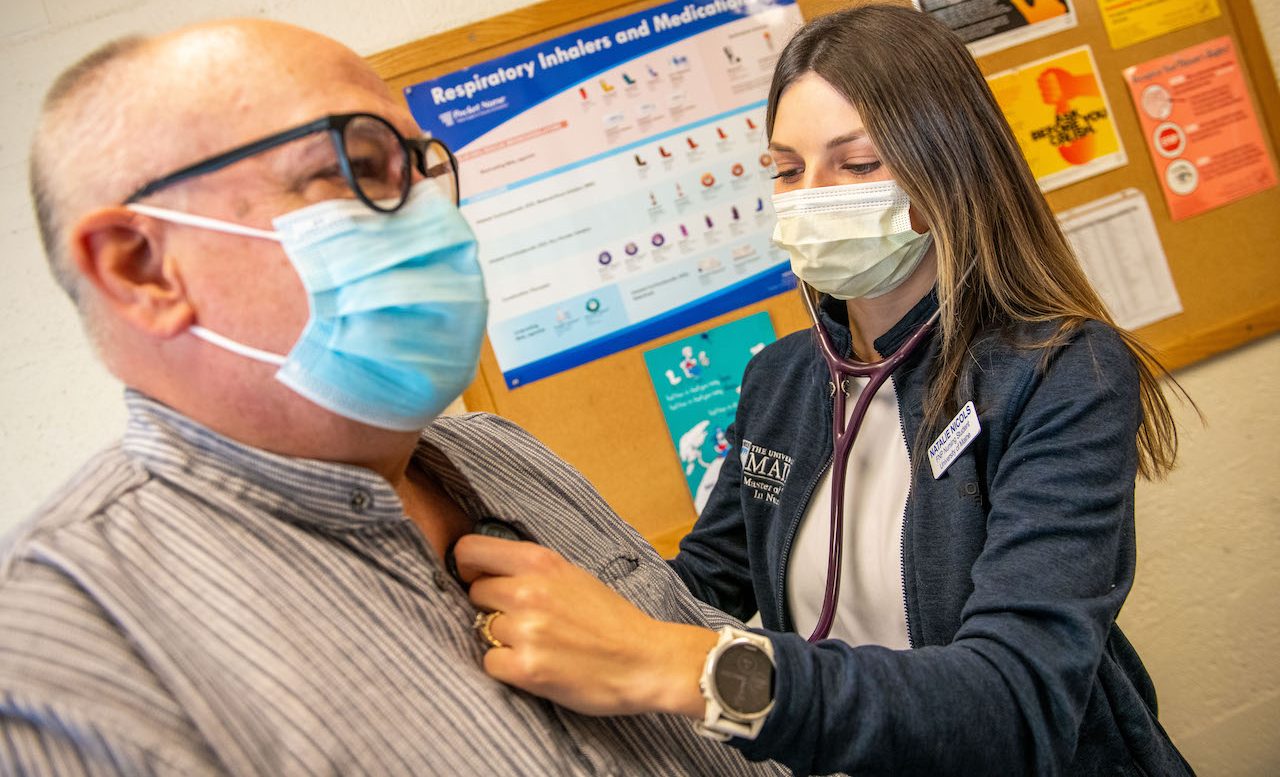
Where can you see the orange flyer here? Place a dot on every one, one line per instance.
(1201, 127)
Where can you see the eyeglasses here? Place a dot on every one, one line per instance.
(367, 154)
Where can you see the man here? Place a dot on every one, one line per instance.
(252, 582)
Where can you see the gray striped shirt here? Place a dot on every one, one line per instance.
(190, 605)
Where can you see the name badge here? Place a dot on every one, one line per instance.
(962, 431)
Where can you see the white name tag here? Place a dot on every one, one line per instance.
(962, 430)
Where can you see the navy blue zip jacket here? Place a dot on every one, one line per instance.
(1015, 564)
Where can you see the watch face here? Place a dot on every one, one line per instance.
(744, 679)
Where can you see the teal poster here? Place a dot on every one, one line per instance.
(698, 380)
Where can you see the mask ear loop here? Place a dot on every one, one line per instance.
(204, 222)
(216, 225)
(208, 335)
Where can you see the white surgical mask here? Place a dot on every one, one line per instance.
(853, 241)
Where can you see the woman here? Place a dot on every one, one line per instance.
(989, 546)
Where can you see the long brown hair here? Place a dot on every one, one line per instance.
(928, 109)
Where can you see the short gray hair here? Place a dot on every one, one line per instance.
(73, 106)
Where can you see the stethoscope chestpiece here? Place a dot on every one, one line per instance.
(489, 527)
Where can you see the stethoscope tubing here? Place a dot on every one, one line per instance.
(843, 435)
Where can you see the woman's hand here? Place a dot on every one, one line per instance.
(570, 638)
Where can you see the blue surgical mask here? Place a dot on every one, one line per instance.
(397, 302)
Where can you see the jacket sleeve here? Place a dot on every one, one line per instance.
(712, 560)
(1007, 696)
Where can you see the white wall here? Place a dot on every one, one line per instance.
(57, 404)
(1205, 610)
(1204, 613)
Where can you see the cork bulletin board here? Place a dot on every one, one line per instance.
(604, 418)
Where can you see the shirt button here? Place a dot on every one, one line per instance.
(440, 580)
(361, 500)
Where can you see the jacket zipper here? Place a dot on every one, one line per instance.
(902, 537)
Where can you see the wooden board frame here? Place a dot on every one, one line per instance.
(604, 418)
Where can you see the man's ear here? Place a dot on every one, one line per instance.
(122, 254)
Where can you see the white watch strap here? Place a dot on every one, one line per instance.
(715, 724)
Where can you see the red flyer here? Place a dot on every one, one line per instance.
(1201, 127)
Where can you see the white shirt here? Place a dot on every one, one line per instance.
(872, 608)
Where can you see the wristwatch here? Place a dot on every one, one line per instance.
(737, 683)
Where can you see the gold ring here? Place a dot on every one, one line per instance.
(483, 624)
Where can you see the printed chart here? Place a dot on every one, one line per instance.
(1119, 248)
(617, 178)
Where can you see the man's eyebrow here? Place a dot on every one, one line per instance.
(304, 146)
(307, 142)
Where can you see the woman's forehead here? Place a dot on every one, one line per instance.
(812, 112)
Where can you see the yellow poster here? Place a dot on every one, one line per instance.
(1061, 118)
(1133, 21)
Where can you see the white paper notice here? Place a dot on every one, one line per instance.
(1119, 248)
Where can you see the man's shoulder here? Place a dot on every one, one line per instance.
(72, 684)
(508, 467)
(517, 478)
(477, 425)
(42, 599)
(88, 494)
(491, 451)
(59, 646)
(52, 628)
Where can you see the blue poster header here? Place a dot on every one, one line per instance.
(462, 106)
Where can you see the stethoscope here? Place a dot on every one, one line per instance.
(843, 435)
(489, 527)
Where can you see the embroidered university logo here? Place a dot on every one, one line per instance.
(764, 471)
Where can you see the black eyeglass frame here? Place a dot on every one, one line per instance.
(415, 154)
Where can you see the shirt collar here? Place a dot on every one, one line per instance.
(323, 494)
